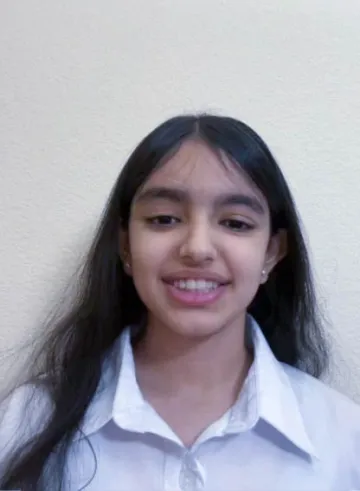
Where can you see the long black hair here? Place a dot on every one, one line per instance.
(106, 300)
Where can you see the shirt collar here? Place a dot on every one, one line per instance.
(118, 396)
(267, 394)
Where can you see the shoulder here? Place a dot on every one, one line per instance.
(329, 416)
(314, 394)
(23, 413)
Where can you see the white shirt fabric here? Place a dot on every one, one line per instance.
(286, 432)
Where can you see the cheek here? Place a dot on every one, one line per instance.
(148, 255)
(248, 257)
(147, 251)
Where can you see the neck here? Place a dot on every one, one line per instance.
(169, 364)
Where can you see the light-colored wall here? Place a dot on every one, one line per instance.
(81, 82)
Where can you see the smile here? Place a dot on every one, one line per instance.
(196, 285)
(195, 292)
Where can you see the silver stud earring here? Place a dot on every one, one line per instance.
(127, 266)
(264, 275)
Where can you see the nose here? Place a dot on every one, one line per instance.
(198, 245)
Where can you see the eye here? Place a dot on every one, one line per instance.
(162, 220)
(237, 225)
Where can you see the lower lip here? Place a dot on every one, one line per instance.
(195, 298)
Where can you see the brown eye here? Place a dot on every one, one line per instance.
(163, 220)
(237, 225)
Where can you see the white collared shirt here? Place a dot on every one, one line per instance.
(286, 432)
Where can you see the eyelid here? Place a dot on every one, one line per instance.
(167, 220)
(244, 225)
(238, 218)
(151, 220)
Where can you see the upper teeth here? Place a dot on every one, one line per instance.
(203, 285)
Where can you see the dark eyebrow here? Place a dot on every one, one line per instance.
(181, 196)
(241, 200)
(159, 193)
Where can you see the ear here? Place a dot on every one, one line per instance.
(276, 251)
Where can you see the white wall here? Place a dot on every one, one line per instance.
(81, 82)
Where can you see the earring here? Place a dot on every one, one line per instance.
(127, 266)
(264, 276)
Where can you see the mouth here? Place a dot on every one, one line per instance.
(193, 285)
(195, 292)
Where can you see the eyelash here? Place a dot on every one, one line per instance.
(240, 225)
(232, 223)
(156, 220)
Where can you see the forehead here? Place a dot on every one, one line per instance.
(202, 172)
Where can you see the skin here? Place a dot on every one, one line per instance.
(193, 361)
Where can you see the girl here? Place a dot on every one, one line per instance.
(190, 358)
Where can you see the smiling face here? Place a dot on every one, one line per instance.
(198, 242)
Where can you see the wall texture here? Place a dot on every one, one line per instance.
(81, 82)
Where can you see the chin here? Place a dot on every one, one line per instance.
(201, 327)
(196, 332)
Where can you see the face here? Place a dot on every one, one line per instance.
(198, 242)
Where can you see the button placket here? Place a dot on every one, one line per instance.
(172, 469)
(190, 478)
